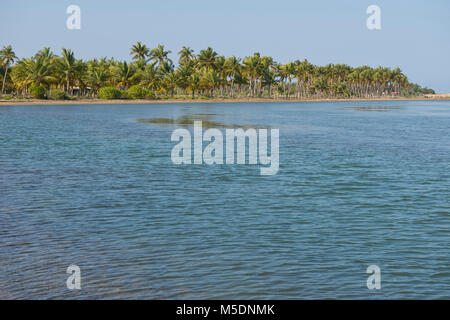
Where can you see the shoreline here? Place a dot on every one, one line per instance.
(37, 102)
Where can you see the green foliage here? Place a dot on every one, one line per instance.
(205, 75)
(109, 93)
(57, 94)
(427, 90)
(124, 94)
(136, 92)
(38, 92)
(149, 94)
(416, 90)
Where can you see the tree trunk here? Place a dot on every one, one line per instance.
(4, 79)
(232, 85)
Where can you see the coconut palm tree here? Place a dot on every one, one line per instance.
(170, 82)
(216, 75)
(287, 73)
(160, 55)
(251, 68)
(206, 59)
(97, 73)
(149, 77)
(219, 66)
(124, 74)
(232, 68)
(194, 83)
(139, 51)
(38, 70)
(186, 55)
(183, 73)
(46, 52)
(7, 56)
(166, 67)
(210, 80)
(267, 76)
(67, 65)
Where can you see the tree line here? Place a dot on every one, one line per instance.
(152, 74)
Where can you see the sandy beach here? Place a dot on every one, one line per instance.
(37, 102)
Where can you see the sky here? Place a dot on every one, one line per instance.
(414, 35)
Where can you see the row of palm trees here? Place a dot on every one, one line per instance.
(204, 74)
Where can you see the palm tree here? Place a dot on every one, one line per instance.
(186, 55)
(7, 56)
(97, 73)
(166, 68)
(139, 51)
(183, 73)
(170, 82)
(284, 73)
(194, 83)
(219, 66)
(399, 79)
(46, 52)
(124, 74)
(321, 84)
(232, 68)
(38, 70)
(288, 72)
(67, 65)
(251, 67)
(149, 77)
(268, 73)
(216, 75)
(160, 55)
(210, 80)
(206, 59)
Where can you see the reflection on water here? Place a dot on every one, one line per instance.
(188, 120)
(100, 191)
(376, 108)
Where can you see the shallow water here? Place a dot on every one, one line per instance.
(92, 186)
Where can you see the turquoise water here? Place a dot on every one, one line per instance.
(360, 183)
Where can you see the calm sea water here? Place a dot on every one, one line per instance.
(360, 183)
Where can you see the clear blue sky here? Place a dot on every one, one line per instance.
(415, 34)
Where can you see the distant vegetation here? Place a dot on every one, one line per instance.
(415, 89)
(109, 93)
(152, 75)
